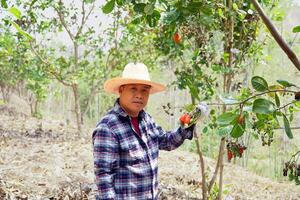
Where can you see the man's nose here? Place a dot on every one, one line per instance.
(139, 95)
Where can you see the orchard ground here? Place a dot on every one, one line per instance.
(47, 159)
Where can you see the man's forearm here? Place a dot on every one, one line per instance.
(105, 187)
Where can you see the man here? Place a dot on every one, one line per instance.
(126, 141)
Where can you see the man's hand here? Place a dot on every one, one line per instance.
(199, 113)
(203, 108)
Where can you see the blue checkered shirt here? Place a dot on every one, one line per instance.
(126, 164)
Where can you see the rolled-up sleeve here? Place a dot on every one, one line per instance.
(106, 161)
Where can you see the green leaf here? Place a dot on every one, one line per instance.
(108, 7)
(296, 29)
(137, 20)
(120, 2)
(139, 7)
(148, 9)
(259, 84)
(274, 87)
(153, 21)
(3, 4)
(189, 107)
(238, 130)
(287, 127)
(22, 32)
(263, 106)
(171, 17)
(223, 131)
(277, 100)
(235, 6)
(226, 118)
(228, 100)
(297, 104)
(285, 83)
(16, 12)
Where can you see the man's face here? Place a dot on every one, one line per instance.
(134, 97)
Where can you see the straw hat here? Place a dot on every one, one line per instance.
(133, 73)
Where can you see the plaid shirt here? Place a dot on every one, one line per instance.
(125, 164)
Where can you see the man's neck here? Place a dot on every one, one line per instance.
(130, 114)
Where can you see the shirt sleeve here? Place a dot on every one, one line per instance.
(106, 161)
(170, 140)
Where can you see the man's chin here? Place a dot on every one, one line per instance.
(137, 109)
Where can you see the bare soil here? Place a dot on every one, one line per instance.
(42, 159)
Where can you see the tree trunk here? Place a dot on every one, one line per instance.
(228, 45)
(201, 160)
(77, 106)
(202, 167)
(219, 163)
(5, 92)
(222, 145)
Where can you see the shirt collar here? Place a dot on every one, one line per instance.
(120, 111)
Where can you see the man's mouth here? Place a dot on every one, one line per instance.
(138, 102)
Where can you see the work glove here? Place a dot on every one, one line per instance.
(201, 111)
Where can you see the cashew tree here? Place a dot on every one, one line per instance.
(214, 41)
(78, 63)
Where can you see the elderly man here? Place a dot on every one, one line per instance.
(126, 141)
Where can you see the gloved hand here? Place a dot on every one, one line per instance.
(203, 108)
(199, 113)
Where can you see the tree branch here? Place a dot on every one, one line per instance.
(284, 46)
(285, 105)
(84, 19)
(249, 98)
(48, 64)
(62, 19)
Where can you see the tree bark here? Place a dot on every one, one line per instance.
(213, 179)
(222, 145)
(284, 46)
(5, 92)
(201, 160)
(227, 84)
(77, 106)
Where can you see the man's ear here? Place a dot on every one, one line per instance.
(121, 89)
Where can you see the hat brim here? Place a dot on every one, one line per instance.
(113, 85)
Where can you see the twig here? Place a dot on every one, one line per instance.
(293, 156)
(266, 92)
(285, 105)
(62, 19)
(84, 19)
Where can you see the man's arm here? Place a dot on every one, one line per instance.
(170, 140)
(106, 161)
